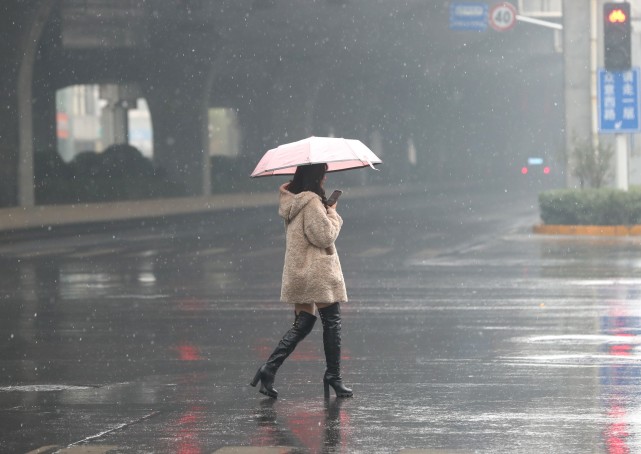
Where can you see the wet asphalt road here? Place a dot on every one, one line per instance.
(464, 333)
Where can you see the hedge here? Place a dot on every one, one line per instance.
(121, 172)
(602, 206)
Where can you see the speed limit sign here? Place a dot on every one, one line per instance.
(502, 16)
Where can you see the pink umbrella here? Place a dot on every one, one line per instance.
(337, 153)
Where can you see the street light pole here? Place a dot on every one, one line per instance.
(621, 170)
(577, 85)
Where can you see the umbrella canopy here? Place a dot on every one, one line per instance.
(337, 153)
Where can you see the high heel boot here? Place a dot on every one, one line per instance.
(331, 319)
(303, 325)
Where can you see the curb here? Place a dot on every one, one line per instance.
(588, 230)
(46, 216)
(13, 220)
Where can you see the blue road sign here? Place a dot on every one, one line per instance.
(619, 101)
(468, 16)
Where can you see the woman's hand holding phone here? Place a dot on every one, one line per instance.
(333, 199)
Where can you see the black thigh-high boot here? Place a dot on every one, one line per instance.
(303, 324)
(331, 319)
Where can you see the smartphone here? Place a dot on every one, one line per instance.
(334, 197)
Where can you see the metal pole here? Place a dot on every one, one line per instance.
(577, 83)
(594, 46)
(542, 23)
(29, 46)
(621, 161)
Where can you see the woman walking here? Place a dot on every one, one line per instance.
(312, 276)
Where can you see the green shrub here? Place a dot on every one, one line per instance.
(591, 164)
(121, 172)
(591, 206)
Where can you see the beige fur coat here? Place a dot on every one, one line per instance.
(312, 271)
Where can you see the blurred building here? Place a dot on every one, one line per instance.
(92, 117)
(224, 132)
(78, 120)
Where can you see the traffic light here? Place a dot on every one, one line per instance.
(616, 36)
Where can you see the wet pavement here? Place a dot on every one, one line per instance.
(465, 333)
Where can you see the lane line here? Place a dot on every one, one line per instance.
(121, 426)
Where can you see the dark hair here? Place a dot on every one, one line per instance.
(309, 178)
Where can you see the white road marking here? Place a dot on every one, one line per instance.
(42, 388)
(113, 429)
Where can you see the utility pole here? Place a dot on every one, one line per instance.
(578, 81)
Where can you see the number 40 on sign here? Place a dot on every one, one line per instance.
(502, 16)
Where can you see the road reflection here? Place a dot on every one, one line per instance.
(620, 379)
(601, 319)
(337, 425)
(187, 430)
(305, 428)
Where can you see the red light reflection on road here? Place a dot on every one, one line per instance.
(307, 427)
(617, 432)
(188, 352)
(621, 321)
(317, 429)
(187, 431)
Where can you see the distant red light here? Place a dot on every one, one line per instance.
(524, 170)
(546, 170)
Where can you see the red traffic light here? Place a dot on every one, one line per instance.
(616, 36)
(617, 16)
